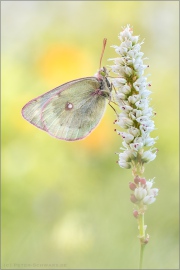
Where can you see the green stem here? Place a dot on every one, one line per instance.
(142, 238)
(141, 255)
(141, 226)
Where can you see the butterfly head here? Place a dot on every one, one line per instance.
(101, 74)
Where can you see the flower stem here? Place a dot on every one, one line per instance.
(142, 238)
(141, 255)
(141, 226)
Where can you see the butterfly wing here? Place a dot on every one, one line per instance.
(68, 112)
(32, 110)
(72, 114)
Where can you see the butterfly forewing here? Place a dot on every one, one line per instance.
(74, 113)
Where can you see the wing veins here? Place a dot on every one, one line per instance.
(81, 120)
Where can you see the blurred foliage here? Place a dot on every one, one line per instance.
(67, 204)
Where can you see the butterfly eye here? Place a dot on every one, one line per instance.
(68, 106)
(105, 70)
(102, 73)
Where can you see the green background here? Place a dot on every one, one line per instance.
(66, 204)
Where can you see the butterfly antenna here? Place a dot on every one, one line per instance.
(102, 53)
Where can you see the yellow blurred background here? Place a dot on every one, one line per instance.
(66, 204)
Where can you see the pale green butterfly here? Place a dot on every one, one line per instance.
(72, 110)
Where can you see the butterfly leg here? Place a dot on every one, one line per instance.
(112, 86)
(113, 107)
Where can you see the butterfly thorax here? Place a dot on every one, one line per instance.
(105, 86)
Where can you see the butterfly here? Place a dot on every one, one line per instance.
(72, 110)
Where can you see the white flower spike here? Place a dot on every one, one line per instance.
(132, 97)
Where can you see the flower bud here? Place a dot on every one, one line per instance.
(134, 39)
(149, 199)
(119, 82)
(133, 198)
(126, 136)
(153, 192)
(128, 70)
(140, 193)
(125, 122)
(137, 113)
(136, 146)
(149, 184)
(149, 141)
(134, 98)
(132, 186)
(146, 240)
(126, 108)
(135, 213)
(120, 96)
(115, 68)
(124, 165)
(134, 131)
(126, 89)
(136, 179)
(148, 156)
(122, 50)
(142, 181)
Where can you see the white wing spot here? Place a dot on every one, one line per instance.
(68, 106)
